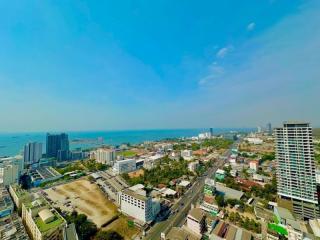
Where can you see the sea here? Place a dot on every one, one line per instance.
(11, 144)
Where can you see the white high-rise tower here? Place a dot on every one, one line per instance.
(296, 171)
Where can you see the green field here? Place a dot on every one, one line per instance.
(127, 154)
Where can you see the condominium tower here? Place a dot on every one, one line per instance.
(32, 152)
(57, 146)
(296, 174)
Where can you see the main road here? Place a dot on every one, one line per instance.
(180, 209)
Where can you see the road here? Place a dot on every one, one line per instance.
(182, 207)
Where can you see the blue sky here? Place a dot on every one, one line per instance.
(92, 65)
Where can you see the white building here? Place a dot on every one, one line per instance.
(193, 166)
(124, 166)
(254, 165)
(196, 221)
(205, 135)
(135, 203)
(105, 156)
(186, 154)
(32, 152)
(296, 168)
(254, 140)
(10, 170)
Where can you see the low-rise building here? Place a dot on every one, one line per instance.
(11, 228)
(42, 221)
(44, 174)
(124, 166)
(18, 195)
(193, 166)
(6, 204)
(220, 174)
(254, 165)
(227, 192)
(254, 140)
(186, 154)
(196, 221)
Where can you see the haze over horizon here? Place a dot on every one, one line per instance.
(90, 65)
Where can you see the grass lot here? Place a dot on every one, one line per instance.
(121, 226)
(127, 154)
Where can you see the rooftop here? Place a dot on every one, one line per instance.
(12, 228)
(44, 227)
(284, 213)
(46, 218)
(180, 234)
(135, 194)
(229, 192)
(196, 213)
(5, 199)
(19, 191)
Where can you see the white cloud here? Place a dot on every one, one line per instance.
(224, 51)
(215, 72)
(251, 26)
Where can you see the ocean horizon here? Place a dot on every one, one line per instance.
(12, 143)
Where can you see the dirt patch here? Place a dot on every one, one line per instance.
(122, 227)
(84, 197)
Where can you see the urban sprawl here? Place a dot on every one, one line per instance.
(259, 185)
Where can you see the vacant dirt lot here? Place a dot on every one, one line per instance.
(84, 197)
(121, 226)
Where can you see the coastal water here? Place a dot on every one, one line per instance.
(12, 143)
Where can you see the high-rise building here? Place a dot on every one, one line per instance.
(57, 146)
(269, 128)
(105, 156)
(11, 169)
(32, 152)
(296, 172)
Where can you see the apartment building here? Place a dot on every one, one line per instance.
(135, 203)
(296, 172)
(196, 221)
(41, 220)
(105, 156)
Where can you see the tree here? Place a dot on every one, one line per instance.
(108, 235)
(220, 200)
(85, 228)
(25, 181)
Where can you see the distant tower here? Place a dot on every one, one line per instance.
(259, 130)
(296, 171)
(211, 132)
(269, 128)
(32, 152)
(57, 146)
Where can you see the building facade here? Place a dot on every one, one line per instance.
(105, 156)
(41, 220)
(196, 221)
(136, 204)
(11, 169)
(296, 172)
(57, 146)
(32, 152)
(124, 166)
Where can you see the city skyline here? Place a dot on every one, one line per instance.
(161, 65)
